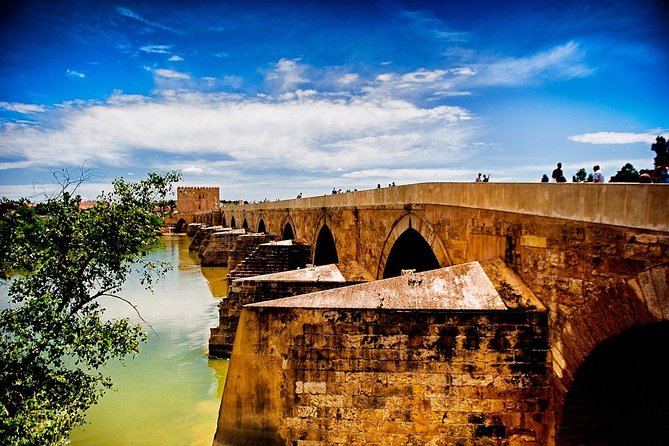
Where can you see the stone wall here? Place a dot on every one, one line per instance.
(326, 377)
(196, 199)
(217, 246)
(441, 357)
(250, 291)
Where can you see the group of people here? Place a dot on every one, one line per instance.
(482, 178)
(558, 175)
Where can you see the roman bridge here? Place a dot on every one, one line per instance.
(595, 255)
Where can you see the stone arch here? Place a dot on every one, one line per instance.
(418, 225)
(233, 223)
(632, 317)
(261, 226)
(288, 228)
(223, 221)
(325, 248)
(181, 226)
(245, 224)
(619, 393)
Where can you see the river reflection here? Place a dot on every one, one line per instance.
(170, 393)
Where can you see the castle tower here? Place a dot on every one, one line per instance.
(196, 199)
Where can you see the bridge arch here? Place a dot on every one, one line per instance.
(181, 226)
(288, 228)
(325, 247)
(613, 379)
(233, 223)
(223, 220)
(245, 224)
(410, 230)
(261, 226)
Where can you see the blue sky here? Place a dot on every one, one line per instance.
(269, 99)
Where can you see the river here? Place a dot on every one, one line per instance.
(170, 393)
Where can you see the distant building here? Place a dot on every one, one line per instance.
(195, 199)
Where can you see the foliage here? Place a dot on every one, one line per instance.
(53, 334)
(579, 177)
(582, 177)
(627, 174)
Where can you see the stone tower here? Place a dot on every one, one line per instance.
(195, 199)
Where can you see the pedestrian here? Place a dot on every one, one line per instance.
(486, 178)
(558, 175)
(597, 176)
(478, 178)
(544, 179)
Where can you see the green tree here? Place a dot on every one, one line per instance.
(53, 335)
(580, 176)
(627, 174)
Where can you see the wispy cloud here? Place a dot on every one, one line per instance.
(175, 58)
(22, 108)
(168, 74)
(156, 49)
(562, 62)
(614, 138)
(133, 15)
(74, 73)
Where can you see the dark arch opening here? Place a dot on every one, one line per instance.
(261, 226)
(326, 251)
(223, 221)
(410, 251)
(233, 224)
(245, 225)
(620, 394)
(288, 233)
(181, 226)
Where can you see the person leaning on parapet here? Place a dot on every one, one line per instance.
(597, 176)
(544, 178)
(478, 178)
(558, 175)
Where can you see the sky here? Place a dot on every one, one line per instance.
(268, 99)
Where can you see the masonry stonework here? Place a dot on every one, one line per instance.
(196, 199)
(597, 257)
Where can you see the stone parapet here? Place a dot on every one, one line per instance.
(641, 206)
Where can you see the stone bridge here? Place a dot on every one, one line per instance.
(595, 256)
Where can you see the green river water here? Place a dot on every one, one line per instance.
(170, 393)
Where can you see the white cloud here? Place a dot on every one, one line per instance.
(286, 75)
(561, 62)
(614, 138)
(156, 49)
(308, 132)
(22, 108)
(168, 74)
(74, 73)
(176, 58)
(192, 169)
(349, 78)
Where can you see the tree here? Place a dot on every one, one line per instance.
(579, 177)
(53, 336)
(627, 174)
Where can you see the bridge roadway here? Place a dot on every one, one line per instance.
(597, 257)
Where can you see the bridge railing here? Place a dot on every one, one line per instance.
(643, 206)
